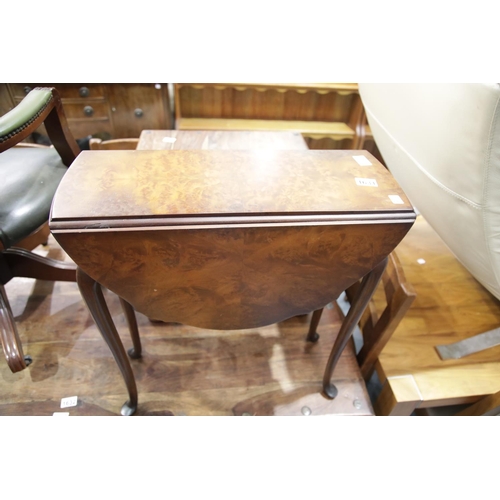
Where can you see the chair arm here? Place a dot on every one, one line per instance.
(24, 113)
(41, 105)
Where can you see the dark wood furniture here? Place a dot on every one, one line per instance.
(227, 239)
(108, 110)
(30, 179)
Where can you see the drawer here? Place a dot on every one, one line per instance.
(83, 110)
(66, 90)
(86, 110)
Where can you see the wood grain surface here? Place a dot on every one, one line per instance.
(133, 184)
(235, 277)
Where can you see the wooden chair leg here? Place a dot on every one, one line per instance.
(92, 294)
(364, 294)
(9, 337)
(313, 335)
(136, 351)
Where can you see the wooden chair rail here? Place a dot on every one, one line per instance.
(377, 328)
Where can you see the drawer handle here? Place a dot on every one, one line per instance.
(27, 90)
(88, 110)
(138, 112)
(84, 92)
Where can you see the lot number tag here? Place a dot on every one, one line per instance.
(366, 182)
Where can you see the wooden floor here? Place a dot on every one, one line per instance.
(184, 370)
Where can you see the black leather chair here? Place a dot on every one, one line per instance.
(30, 177)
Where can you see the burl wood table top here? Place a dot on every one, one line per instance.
(252, 237)
(143, 188)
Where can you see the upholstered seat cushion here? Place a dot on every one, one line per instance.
(29, 179)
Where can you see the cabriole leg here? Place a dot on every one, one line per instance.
(92, 294)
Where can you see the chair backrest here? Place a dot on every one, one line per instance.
(41, 105)
(442, 144)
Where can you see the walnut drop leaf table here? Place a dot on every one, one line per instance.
(227, 240)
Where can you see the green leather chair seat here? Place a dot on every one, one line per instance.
(30, 177)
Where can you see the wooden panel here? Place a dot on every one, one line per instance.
(155, 183)
(264, 103)
(231, 278)
(124, 99)
(308, 129)
(220, 139)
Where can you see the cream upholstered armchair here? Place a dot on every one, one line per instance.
(442, 144)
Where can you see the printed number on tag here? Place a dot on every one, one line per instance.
(362, 160)
(366, 182)
(68, 402)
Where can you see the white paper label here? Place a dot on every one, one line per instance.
(396, 199)
(68, 402)
(366, 182)
(170, 140)
(61, 414)
(362, 160)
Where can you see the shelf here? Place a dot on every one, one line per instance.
(314, 130)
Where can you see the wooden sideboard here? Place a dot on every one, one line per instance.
(108, 111)
(328, 115)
